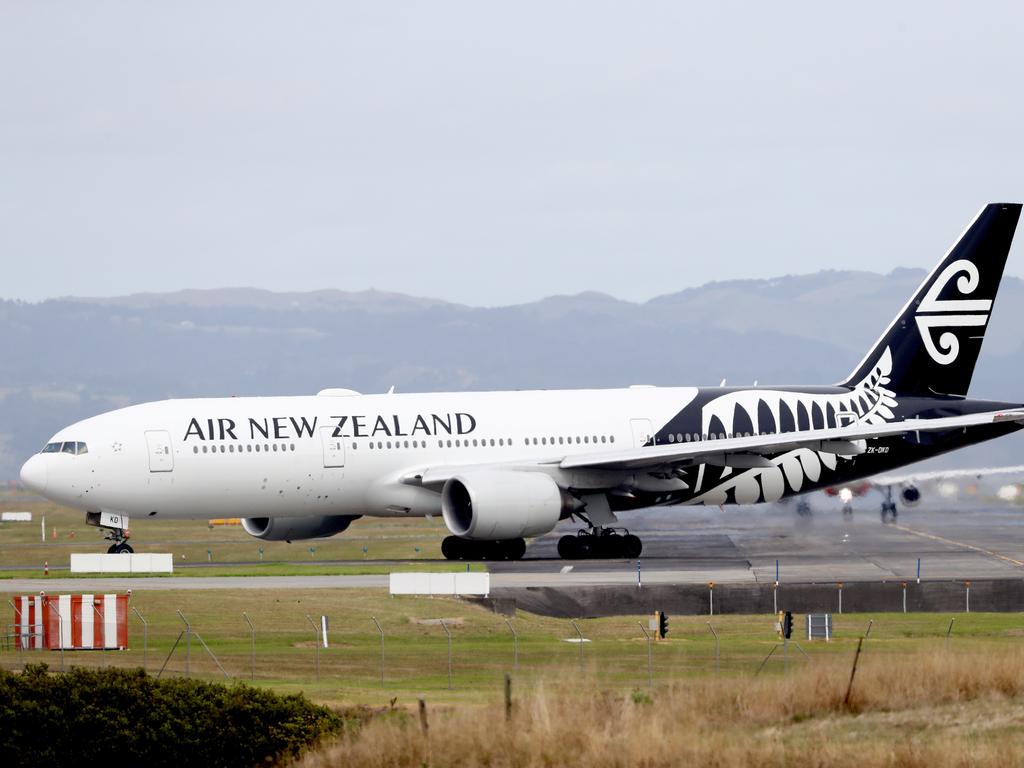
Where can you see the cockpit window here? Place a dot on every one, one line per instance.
(69, 446)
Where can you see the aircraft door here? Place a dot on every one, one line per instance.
(161, 459)
(642, 432)
(334, 448)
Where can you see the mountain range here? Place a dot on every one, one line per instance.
(65, 359)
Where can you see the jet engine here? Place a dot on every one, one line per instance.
(497, 504)
(289, 528)
(910, 495)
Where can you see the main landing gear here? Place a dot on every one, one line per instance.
(456, 548)
(600, 543)
(889, 513)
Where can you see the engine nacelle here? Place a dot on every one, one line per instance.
(289, 528)
(502, 504)
(910, 495)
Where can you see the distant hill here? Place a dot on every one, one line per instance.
(69, 358)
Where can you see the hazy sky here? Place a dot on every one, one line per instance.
(493, 154)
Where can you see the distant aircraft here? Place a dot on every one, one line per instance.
(910, 487)
(499, 467)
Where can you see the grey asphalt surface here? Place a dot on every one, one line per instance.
(955, 541)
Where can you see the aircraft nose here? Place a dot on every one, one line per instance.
(34, 474)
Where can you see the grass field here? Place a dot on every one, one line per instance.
(194, 541)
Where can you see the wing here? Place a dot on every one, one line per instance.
(741, 452)
(948, 474)
(752, 451)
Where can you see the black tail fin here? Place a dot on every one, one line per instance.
(935, 339)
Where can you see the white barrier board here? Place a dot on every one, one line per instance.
(87, 562)
(457, 583)
(15, 517)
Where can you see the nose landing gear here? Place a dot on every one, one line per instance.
(115, 530)
(600, 543)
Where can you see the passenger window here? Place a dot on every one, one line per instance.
(293, 446)
(195, 449)
(611, 438)
(450, 443)
(275, 447)
(603, 438)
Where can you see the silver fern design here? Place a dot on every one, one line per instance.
(869, 402)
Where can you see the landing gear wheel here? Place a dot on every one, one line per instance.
(803, 508)
(847, 512)
(452, 548)
(514, 549)
(124, 548)
(568, 549)
(631, 546)
(889, 512)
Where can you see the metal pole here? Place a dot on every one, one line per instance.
(711, 598)
(381, 650)
(871, 623)
(853, 671)
(580, 635)
(515, 645)
(252, 646)
(445, 628)
(145, 637)
(188, 644)
(60, 631)
(968, 596)
(840, 597)
(98, 615)
(718, 655)
(948, 630)
(316, 645)
(650, 672)
(904, 597)
(775, 598)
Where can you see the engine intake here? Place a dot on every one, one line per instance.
(496, 504)
(910, 495)
(289, 528)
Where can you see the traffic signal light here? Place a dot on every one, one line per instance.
(787, 625)
(662, 625)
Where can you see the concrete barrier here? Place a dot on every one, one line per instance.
(458, 583)
(148, 562)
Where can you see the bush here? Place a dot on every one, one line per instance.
(125, 717)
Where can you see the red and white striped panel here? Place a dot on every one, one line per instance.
(85, 621)
(28, 612)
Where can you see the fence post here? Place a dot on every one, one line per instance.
(188, 644)
(968, 584)
(718, 655)
(904, 597)
(381, 650)
(447, 632)
(508, 697)
(853, 671)
(711, 598)
(145, 637)
(515, 645)
(948, 630)
(316, 645)
(17, 630)
(840, 598)
(252, 646)
(650, 671)
(580, 635)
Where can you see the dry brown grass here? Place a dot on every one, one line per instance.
(928, 708)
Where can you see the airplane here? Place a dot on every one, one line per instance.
(910, 486)
(501, 467)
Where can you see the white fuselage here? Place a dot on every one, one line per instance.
(329, 454)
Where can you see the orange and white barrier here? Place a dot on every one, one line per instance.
(72, 622)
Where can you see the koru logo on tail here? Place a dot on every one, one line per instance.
(934, 313)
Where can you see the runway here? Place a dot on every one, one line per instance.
(696, 545)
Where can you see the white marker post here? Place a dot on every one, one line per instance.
(323, 629)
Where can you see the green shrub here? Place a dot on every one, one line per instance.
(124, 717)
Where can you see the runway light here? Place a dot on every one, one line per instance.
(1009, 492)
(845, 495)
